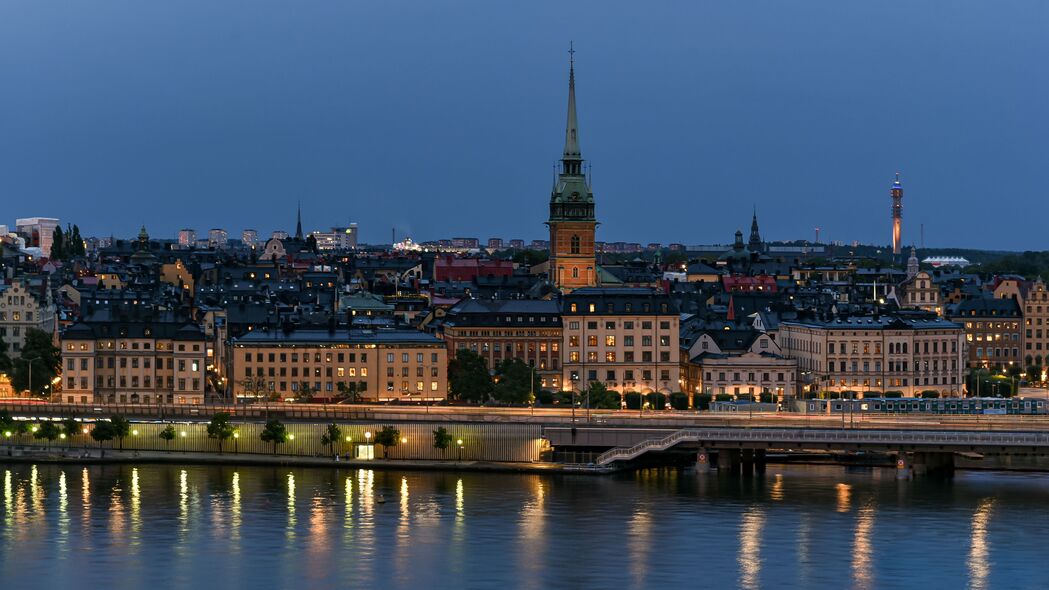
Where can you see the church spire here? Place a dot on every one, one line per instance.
(573, 157)
(298, 222)
(755, 244)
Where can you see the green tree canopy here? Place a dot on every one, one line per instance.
(168, 434)
(601, 397)
(468, 378)
(48, 430)
(274, 432)
(332, 435)
(121, 428)
(387, 436)
(442, 439)
(221, 429)
(516, 382)
(41, 353)
(305, 393)
(103, 431)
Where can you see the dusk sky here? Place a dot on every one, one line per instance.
(444, 119)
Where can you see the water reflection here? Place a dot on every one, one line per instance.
(639, 533)
(136, 507)
(290, 528)
(235, 508)
(63, 510)
(749, 557)
(183, 504)
(844, 491)
(776, 492)
(861, 547)
(979, 564)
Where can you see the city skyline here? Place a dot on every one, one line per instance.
(744, 110)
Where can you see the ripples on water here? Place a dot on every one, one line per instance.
(796, 527)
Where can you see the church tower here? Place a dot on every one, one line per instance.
(572, 223)
(755, 244)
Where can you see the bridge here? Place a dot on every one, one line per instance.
(736, 448)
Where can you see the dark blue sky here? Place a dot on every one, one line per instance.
(444, 118)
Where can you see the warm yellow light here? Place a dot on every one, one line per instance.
(85, 430)
(62, 436)
(35, 428)
(404, 439)
(348, 439)
(236, 435)
(368, 435)
(134, 433)
(291, 437)
(459, 442)
(7, 433)
(183, 433)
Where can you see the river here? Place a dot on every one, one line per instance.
(161, 526)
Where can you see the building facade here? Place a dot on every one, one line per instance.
(872, 355)
(992, 332)
(754, 366)
(133, 362)
(525, 329)
(381, 365)
(626, 339)
(25, 306)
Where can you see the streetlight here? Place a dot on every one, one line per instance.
(29, 363)
(575, 380)
(236, 437)
(460, 443)
(368, 443)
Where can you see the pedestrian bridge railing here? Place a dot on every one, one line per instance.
(802, 437)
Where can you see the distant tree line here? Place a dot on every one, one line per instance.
(67, 244)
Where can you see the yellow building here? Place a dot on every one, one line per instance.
(382, 365)
(132, 362)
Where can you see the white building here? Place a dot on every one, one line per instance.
(250, 238)
(38, 231)
(187, 238)
(218, 238)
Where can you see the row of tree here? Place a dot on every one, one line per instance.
(37, 364)
(512, 382)
(67, 244)
(221, 428)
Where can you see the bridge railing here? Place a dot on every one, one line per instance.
(788, 437)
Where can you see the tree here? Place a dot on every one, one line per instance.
(332, 435)
(121, 428)
(602, 398)
(679, 400)
(76, 245)
(103, 432)
(388, 436)
(305, 393)
(274, 432)
(221, 428)
(44, 357)
(656, 400)
(516, 382)
(254, 386)
(348, 391)
(701, 401)
(48, 430)
(58, 244)
(468, 378)
(442, 439)
(633, 400)
(70, 428)
(168, 435)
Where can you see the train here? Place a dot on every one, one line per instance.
(908, 405)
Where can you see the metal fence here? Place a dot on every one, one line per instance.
(480, 442)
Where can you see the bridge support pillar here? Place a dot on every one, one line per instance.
(934, 464)
(939, 464)
(747, 462)
(759, 461)
(729, 460)
(703, 461)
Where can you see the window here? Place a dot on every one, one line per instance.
(574, 244)
(610, 340)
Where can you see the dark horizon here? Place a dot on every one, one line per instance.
(445, 121)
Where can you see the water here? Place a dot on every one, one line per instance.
(797, 527)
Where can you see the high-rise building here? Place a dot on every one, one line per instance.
(897, 213)
(495, 243)
(572, 221)
(39, 232)
(187, 238)
(249, 238)
(218, 238)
